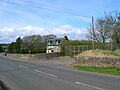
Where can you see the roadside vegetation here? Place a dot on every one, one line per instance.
(106, 29)
(1, 48)
(63, 57)
(104, 70)
(28, 44)
(100, 53)
(66, 45)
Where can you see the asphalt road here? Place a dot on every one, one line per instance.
(25, 75)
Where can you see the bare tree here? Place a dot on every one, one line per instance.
(100, 33)
(33, 43)
(114, 26)
(106, 29)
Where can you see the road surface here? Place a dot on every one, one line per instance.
(25, 75)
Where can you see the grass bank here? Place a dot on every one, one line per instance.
(104, 70)
(100, 53)
(63, 57)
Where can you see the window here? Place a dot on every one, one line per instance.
(52, 50)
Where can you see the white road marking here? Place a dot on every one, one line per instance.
(90, 86)
(11, 63)
(23, 66)
(46, 73)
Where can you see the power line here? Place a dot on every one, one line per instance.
(45, 8)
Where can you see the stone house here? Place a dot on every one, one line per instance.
(53, 45)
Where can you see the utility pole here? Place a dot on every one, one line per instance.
(93, 32)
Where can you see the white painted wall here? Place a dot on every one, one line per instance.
(51, 49)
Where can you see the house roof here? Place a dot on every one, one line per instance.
(54, 42)
(56, 39)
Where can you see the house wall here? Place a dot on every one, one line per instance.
(52, 49)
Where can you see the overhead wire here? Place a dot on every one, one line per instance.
(44, 8)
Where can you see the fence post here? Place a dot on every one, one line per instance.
(82, 48)
(87, 47)
(70, 50)
(111, 46)
(74, 50)
(78, 50)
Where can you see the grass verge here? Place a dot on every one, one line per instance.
(63, 57)
(104, 70)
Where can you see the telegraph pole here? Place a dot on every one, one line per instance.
(93, 32)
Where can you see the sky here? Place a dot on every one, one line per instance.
(43, 17)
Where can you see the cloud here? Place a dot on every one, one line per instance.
(67, 29)
(84, 19)
(30, 30)
(9, 35)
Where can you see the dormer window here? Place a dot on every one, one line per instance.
(57, 42)
(48, 43)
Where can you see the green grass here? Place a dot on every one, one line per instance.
(63, 57)
(104, 70)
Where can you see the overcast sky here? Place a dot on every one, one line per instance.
(59, 17)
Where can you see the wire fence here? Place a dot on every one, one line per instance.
(73, 50)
